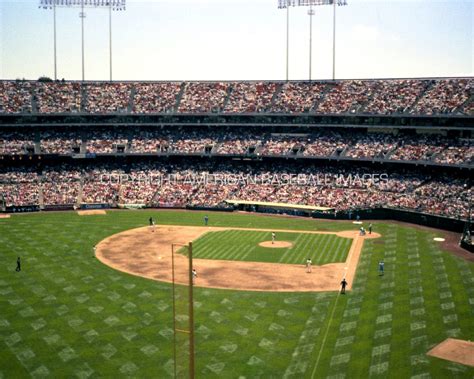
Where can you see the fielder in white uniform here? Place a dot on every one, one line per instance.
(308, 265)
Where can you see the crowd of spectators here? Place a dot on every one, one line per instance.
(444, 97)
(105, 141)
(250, 97)
(372, 146)
(203, 97)
(171, 141)
(211, 184)
(58, 97)
(59, 142)
(280, 145)
(60, 185)
(237, 145)
(431, 147)
(16, 142)
(15, 97)
(299, 97)
(19, 186)
(325, 144)
(155, 97)
(96, 188)
(108, 97)
(347, 97)
(461, 152)
(422, 148)
(394, 96)
(385, 97)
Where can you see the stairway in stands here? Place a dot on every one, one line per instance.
(327, 88)
(40, 191)
(179, 96)
(34, 102)
(227, 98)
(83, 97)
(428, 86)
(277, 92)
(131, 99)
(464, 105)
(79, 195)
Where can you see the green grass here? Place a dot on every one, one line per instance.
(68, 315)
(242, 245)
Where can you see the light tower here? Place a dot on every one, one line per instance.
(111, 5)
(286, 4)
(311, 13)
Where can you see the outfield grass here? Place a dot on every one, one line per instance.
(68, 315)
(242, 245)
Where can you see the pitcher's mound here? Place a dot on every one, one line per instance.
(92, 212)
(276, 244)
(455, 350)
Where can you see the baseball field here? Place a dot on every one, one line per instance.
(70, 313)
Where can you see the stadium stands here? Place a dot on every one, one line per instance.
(383, 97)
(206, 184)
(432, 148)
(182, 184)
(161, 163)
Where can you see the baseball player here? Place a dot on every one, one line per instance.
(381, 268)
(343, 286)
(152, 224)
(206, 220)
(18, 264)
(194, 272)
(308, 265)
(273, 237)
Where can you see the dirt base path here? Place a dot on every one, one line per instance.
(146, 253)
(454, 350)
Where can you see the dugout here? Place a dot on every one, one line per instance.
(278, 208)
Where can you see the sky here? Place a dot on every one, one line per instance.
(240, 40)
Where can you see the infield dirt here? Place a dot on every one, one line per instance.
(455, 350)
(146, 253)
(92, 212)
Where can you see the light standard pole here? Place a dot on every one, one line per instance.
(110, 38)
(334, 42)
(282, 4)
(311, 14)
(82, 15)
(111, 5)
(287, 40)
(54, 37)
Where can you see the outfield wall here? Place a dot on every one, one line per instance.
(433, 221)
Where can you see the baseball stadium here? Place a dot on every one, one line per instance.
(223, 228)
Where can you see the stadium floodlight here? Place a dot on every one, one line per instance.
(286, 4)
(112, 5)
(311, 13)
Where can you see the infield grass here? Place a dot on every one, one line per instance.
(67, 315)
(243, 245)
